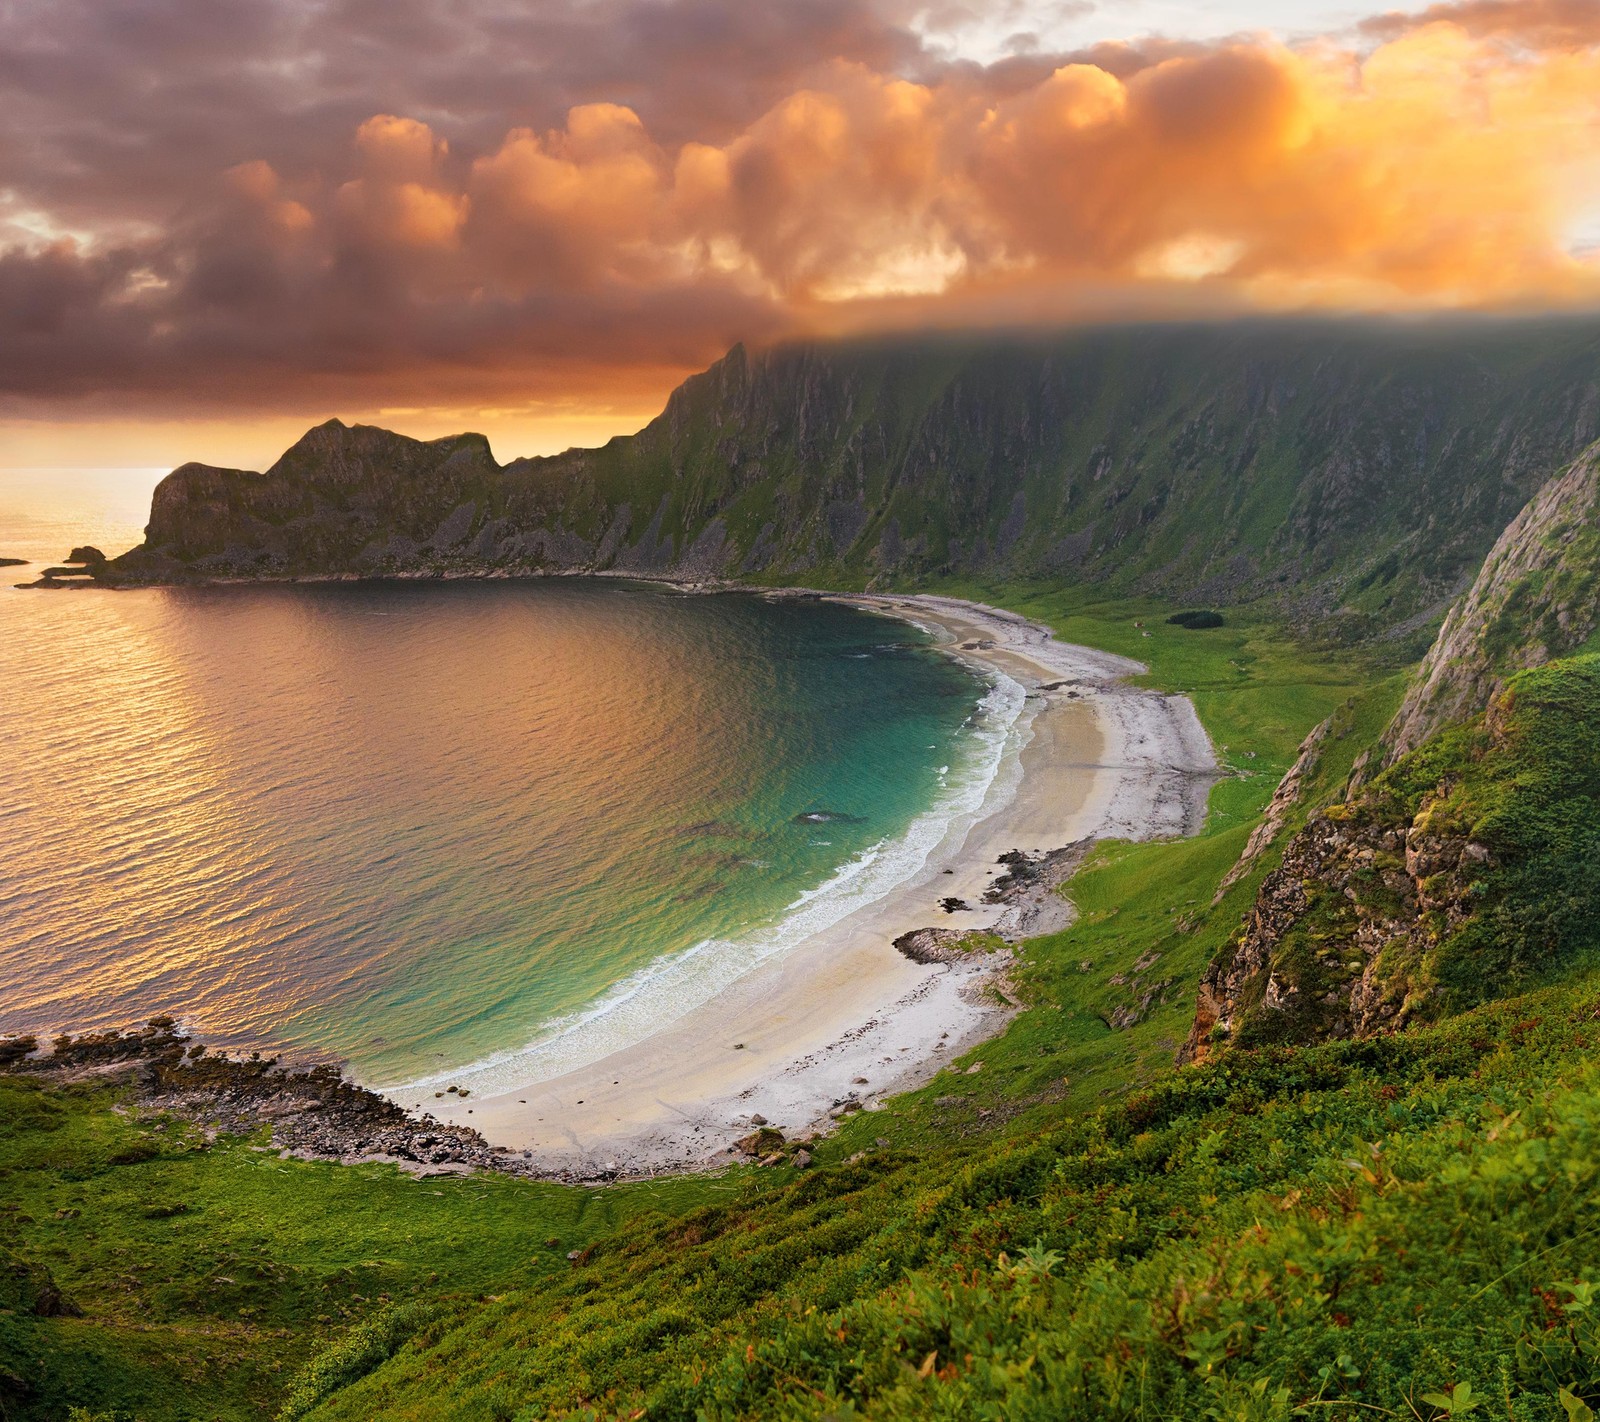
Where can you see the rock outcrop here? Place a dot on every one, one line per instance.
(312, 1111)
(1536, 598)
(1469, 869)
(1339, 938)
(1335, 941)
(1284, 799)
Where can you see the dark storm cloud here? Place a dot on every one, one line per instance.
(120, 118)
(128, 105)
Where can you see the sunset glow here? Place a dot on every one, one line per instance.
(542, 252)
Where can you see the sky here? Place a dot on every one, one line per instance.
(223, 222)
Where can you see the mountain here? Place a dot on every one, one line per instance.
(1355, 471)
(1465, 869)
(1370, 1190)
(1536, 597)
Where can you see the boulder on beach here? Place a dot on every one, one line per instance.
(759, 1142)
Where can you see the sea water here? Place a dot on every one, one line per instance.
(417, 826)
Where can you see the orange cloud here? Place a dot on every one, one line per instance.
(1438, 169)
(1445, 160)
(573, 203)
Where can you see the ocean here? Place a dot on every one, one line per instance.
(414, 826)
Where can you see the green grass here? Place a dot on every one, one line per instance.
(1074, 1229)
(1343, 1228)
(221, 1267)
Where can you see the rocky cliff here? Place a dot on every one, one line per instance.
(1470, 869)
(1357, 472)
(1537, 597)
(1345, 938)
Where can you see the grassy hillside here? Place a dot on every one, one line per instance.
(1465, 871)
(1060, 1225)
(137, 1221)
(206, 1274)
(1346, 1229)
(1354, 473)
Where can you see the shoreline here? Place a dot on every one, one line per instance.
(843, 1019)
(876, 1002)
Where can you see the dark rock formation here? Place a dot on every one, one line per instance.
(942, 945)
(312, 1111)
(83, 565)
(1335, 943)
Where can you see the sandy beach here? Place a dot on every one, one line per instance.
(844, 1015)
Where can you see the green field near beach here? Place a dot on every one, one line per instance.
(138, 1220)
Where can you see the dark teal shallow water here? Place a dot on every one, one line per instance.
(417, 825)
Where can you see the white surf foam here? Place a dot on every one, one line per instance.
(675, 984)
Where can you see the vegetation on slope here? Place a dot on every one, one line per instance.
(1354, 472)
(1536, 597)
(311, 1249)
(1057, 1226)
(1344, 1228)
(198, 1277)
(1470, 869)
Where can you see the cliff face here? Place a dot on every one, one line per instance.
(1470, 869)
(1537, 597)
(1337, 942)
(1357, 472)
(1377, 897)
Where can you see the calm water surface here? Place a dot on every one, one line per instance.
(417, 825)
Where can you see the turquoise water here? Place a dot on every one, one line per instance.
(418, 825)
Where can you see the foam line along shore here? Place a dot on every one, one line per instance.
(839, 1012)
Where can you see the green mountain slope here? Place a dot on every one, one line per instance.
(1344, 467)
(1537, 596)
(1373, 1193)
(1465, 870)
(1346, 1227)
(1469, 870)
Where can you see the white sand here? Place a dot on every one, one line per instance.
(798, 1034)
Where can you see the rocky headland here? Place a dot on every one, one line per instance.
(1353, 474)
(312, 1111)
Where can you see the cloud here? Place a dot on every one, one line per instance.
(357, 204)
(1539, 24)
